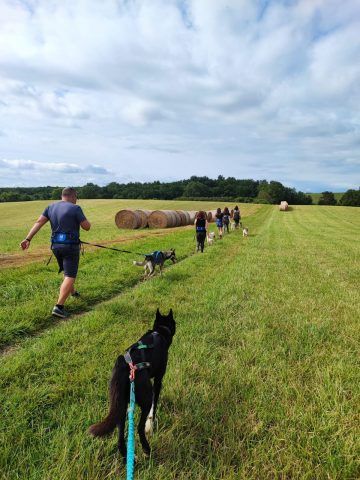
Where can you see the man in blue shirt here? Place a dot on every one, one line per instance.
(66, 218)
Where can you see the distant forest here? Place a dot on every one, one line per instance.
(195, 188)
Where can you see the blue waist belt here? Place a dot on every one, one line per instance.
(64, 238)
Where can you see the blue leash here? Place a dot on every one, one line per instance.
(130, 457)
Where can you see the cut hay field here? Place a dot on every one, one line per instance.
(263, 379)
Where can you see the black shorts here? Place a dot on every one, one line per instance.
(67, 257)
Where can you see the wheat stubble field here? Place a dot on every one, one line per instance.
(263, 379)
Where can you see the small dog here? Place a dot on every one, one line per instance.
(210, 238)
(156, 258)
(152, 361)
(232, 226)
(245, 232)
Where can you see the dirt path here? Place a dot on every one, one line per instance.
(42, 253)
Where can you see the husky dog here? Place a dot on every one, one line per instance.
(210, 238)
(151, 359)
(245, 232)
(156, 258)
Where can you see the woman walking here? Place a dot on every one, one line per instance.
(201, 226)
(219, 222)
(237, 217)
(226, 219)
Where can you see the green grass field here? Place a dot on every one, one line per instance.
(263, 379)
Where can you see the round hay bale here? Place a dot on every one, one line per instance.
(144, 214)
(183, 218)
(211, 216)
(129, 219)
(179, 219)
(187, 215)
(192, 217)
(284, 206)
(163, 219)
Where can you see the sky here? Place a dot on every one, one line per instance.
(143, 90)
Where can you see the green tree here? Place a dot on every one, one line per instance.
(56, 193)
(351, 198)
(327, 198)
(196, 189)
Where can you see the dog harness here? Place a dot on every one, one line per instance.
(142, 347)
(155, 256)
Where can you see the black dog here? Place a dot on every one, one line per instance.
(150, 354)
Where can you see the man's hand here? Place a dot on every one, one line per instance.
(40, 222)
(25, 244)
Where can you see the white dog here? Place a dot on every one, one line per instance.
(245, 232)
(232, 226)
(211, 238)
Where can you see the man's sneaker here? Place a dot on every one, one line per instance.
(76, 294)
(60, 312)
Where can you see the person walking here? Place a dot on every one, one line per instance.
(219, 222)
(237, 216)
(65, 218)
(201, 225)
(226, 219)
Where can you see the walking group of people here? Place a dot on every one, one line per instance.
(223, 219)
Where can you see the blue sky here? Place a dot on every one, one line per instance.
(139, 90)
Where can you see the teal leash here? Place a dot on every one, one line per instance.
(130, 456)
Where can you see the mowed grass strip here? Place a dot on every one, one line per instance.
(263, 379)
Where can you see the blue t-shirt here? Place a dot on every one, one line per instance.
(65, 217)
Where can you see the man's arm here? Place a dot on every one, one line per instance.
(85, 225)
(40, 222)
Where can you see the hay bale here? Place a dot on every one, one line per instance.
(144, 214)
(187, 215)
(284, 206)
(163, 219)
(211, 216)
(183, 217)
(129, 219)
(192, 217)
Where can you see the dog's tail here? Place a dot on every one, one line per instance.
(139, 264)
(118, 407)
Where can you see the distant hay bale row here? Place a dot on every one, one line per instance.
(133, 219)
(284, 206)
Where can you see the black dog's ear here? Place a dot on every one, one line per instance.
(158, 314)
(171, 314)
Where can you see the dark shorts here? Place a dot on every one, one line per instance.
(67, 257)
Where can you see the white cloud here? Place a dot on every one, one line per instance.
(238, 87)
(21, 165)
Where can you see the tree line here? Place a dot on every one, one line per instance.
(194, 188)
